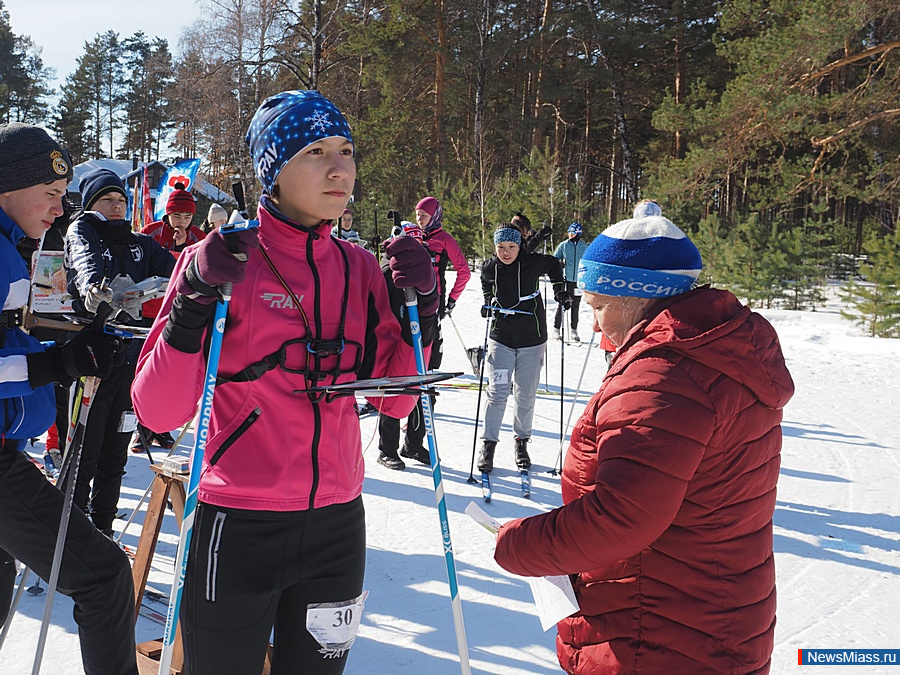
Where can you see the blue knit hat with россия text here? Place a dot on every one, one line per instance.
(645, 257)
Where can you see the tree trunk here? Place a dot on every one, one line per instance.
(440, 62)
(538, 132)
(680, 145)
(631, 190)
(612, 205)
(316, 63)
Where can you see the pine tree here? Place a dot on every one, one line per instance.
(91, 99)
(149, 76)
(874, 303)
(23, 76)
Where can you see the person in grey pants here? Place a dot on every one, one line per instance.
(518, 337)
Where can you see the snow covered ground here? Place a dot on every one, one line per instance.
(837, 531)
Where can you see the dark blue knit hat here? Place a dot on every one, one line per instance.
(285, 124)
(508, 233)
(641, 257)
(575, 228)
(28, 157)
(94, 184)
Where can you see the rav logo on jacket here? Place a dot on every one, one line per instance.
(280, 300)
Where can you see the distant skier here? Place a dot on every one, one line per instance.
(518, 340)
(570, 252)
(531, 239)
(215, 218)
(669, 482)
(444, 250)
(280, 526)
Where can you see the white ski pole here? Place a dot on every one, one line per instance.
(575, 398)
(90, 388)
(455, 602)
(202, 432)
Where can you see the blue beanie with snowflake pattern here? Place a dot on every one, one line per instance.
(285, 124)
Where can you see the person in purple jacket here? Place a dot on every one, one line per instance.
(279, 538)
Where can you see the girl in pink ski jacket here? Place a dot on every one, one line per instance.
(280, 527)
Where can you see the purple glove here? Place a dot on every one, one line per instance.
(217, 261)
(411, 265)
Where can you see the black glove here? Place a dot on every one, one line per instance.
(543, 234)
(486, 311)
(187, 323)
(564, 298)
(450, 305)
(90, 353)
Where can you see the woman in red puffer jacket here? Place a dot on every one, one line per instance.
(669, 482)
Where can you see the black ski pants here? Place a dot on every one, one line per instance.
(571, 286)
(251, 570)
(95, 572)
(389, 427)
(105, 451)
(389, 430)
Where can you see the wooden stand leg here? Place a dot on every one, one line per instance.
(165, 485)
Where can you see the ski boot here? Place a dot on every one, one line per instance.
(391, 461)
(556, 334)
(575, 337)
(137, 445)
(486, 457)
(419, 454)
(523, 461)
(164, 440)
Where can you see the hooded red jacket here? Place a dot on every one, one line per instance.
(669, 492)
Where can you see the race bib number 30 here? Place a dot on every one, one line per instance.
(335, 624)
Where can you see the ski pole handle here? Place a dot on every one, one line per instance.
(237, 187)
(230, 233)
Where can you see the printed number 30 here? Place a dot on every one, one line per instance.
(342, 618)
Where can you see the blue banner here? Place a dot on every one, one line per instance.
(184, 172)
(847, 657)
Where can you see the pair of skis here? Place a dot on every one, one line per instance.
(487, 494)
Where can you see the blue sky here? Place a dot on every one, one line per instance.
(62, 27)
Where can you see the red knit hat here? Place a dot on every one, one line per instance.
(429, 205)
(180, 201)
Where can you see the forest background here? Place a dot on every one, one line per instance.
(768, 130)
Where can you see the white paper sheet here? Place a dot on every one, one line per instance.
(553, 596)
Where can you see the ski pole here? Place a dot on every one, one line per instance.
(15, 605)
(196, 462)
(458, 334)
(562, 373)
(544, 290)
(412, 309)
(90, 388)
(487, 329)
(574, 400)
